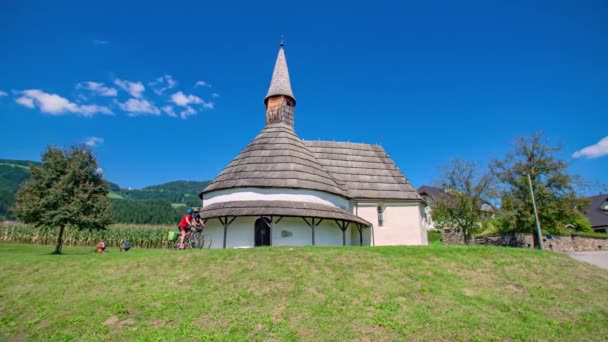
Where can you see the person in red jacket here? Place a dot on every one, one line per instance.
(184, 226)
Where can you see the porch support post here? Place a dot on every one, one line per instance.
(360, 229)
(312, 226)
(271, 226)
(343, 225)
(225, 222)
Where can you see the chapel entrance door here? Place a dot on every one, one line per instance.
(262, 231)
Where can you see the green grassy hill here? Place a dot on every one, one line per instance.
(432, 293)
(156, 204)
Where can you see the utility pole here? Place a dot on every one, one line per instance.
(538, 230)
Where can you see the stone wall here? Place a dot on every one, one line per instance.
(452, 237)
(575, 244)
(555, 243)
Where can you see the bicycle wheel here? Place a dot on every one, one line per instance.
(205, 241)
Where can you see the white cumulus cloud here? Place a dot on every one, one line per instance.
(593, 151)
(202, 84)
(93, 141)
(57, 105)
(139, 106)
(215, 95)
(26, 101)
(189, 111)
(169, 110)
(163, 83)
(3, 93)
(183, 100)
(133, 88)
(98, 88)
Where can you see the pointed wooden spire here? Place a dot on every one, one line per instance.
(280, 84)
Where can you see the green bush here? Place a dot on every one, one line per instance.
(434, 236)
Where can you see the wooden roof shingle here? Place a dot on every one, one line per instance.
(276, 158)
(278, 208)
(364, 170)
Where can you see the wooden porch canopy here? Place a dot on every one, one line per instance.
(312, 213)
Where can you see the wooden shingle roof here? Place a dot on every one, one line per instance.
(364, 170)
(276, 158)
(280, 83)
(278, 208)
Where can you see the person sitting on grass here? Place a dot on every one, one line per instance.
(184, 226)
(198, 220)
(125, 246)
(101, 247)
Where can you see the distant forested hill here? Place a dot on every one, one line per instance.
(12, 174)
(162, 203)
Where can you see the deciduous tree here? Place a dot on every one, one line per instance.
(468, 197)
(66, 190)
(554, 188)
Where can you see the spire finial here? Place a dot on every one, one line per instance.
(282, 43)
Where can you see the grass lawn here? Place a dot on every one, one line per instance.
(330, 294)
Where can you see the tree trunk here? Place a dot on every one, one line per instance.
(59, 240)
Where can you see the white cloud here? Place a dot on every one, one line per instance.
(183, 100)
(208, 105)
(139, 106)
(215, 95)
(57, 105)
(202, 84)
(98, 42)
(3, 93)
(26, 101)
(93, 141)
(163, 83)
(189, 111)
(169, 110)
(133, 88)
(98, 88)
(593, 151)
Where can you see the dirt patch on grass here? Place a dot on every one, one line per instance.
(126, 322)
(111, 321)
(210, 321)
(277, 314)
(117, 325)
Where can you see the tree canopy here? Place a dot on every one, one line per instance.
(467, 199)
(554, 188)
(66, 190)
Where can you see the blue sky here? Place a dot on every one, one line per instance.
(175, 90)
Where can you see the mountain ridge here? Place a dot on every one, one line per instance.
(167, 199)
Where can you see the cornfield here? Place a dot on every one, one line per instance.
(142, 236)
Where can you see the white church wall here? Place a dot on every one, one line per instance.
(402, 222)
(274, 194)
(291, 231)
(215, 231)
(329, 234)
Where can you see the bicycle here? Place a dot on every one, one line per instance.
(193, 239)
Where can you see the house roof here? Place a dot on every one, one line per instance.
(363, 170)
(276, 158)
(596, 216)
(431, 191)
(280, 84)
(278, 208)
